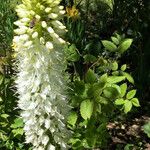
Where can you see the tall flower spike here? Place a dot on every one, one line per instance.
(41, 71)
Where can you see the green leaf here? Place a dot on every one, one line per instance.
(17, 132)
(17, 123)
(110, 92)
(146, 128)
(109, 46)
(3, 136)
(117, 87)
(79, 87)
(128, 76)
(127, 106)
(5, 116)
(72, 118)
(71, 53)
(86, 109)
(125, 45)
(1, 79)
(90, 77)
(115, 79)
(115, 66)
(115, 73)
(123, 88)
(102, 100)
(89, 58)
(115, 40)
(119, 101)
(123, 67)
(135, 102)
(131, 94)
(1, 99)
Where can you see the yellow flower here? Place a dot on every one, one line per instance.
(72, 12)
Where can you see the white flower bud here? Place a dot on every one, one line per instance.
(53, 16)
(45, 140)
(37, 17)
(61, 7)
(48, 9)
(49, 45)
(62, 12)
(42, 41)
(28, 44)
(44, 24)
(50, 30)
(35, 35)
(51, 147)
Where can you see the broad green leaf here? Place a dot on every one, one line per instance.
(109, 45)
(103, 78)
(115, 79)
(131, 94)
(127, 106)
(86, 109)
(128, 76)
(146, 128)
(1, 99)
(90, 76)
(17, 123)
(79, 87)
(135, 102)
(94, 90)
(123, 67)
(5, 116)
(115, 66)
(115, 40)
(89, 58)
(1, 79)
(118, 36)
(115, 73)
(72, 118)
(110, 92)
(102, 100)
(125, 45)
(119, 101)
(3, 136)
(123, 88)
(71, 53)
(117, 87)
(18, 131)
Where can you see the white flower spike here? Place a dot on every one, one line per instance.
(41, 69)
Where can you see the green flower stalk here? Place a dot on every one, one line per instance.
(41, 74)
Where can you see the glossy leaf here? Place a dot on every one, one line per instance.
(127, 106)
(109, 45)
(131, 94)
(123, 88)
(90, 76)
(119, 101)
(135, 102)
(125, 45)
(72, 118)
(86, 109)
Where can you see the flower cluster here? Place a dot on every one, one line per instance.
(41, 74)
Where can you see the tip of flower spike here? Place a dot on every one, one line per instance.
(49, 45)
